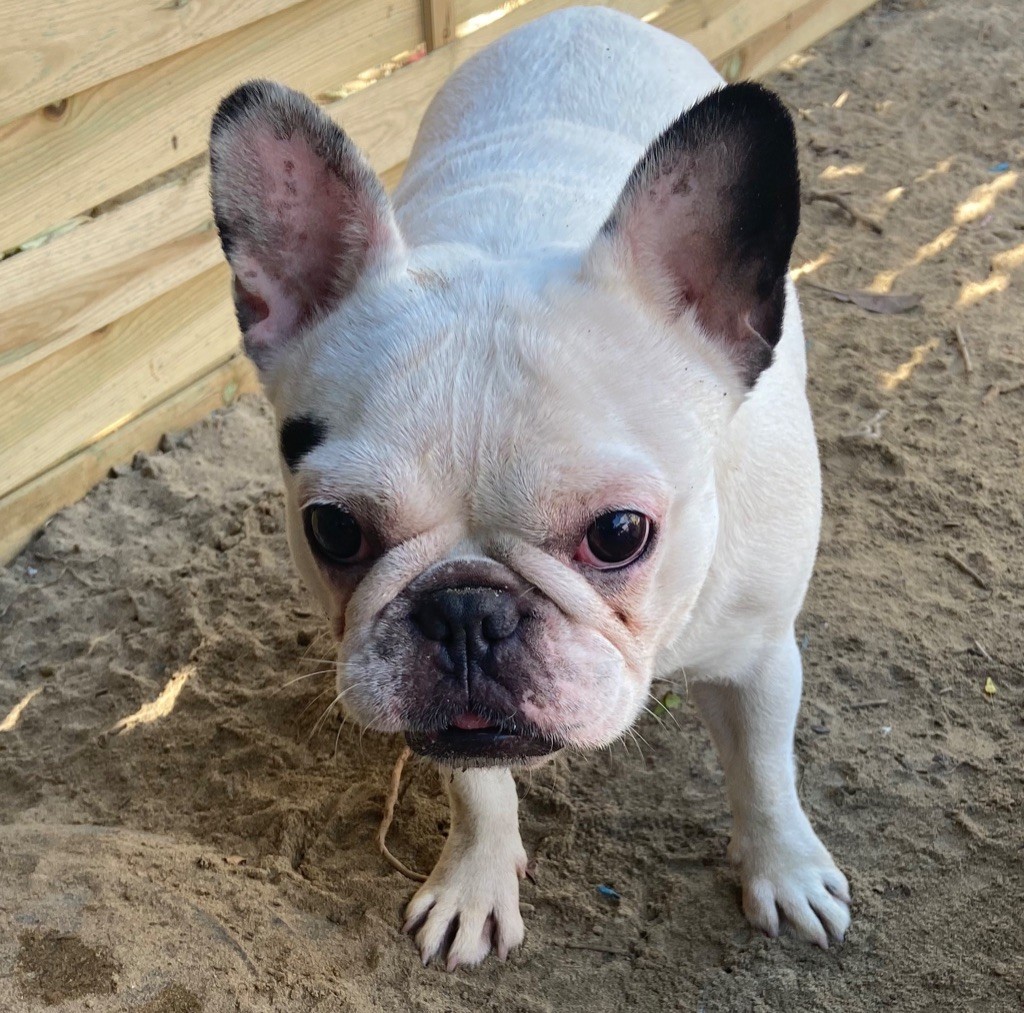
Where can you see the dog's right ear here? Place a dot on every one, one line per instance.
(300, 213)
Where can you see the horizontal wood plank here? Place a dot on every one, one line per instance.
(175, 344)
(384, 118)
(718, 28)
(51, 50)
(110, 266)
(102, 381)
(790, 34)
(24, 511)
(103, 269)
(116, 135)
(465, 10)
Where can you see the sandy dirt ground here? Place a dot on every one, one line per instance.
(220, 856)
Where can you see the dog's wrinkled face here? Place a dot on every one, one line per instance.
(501, 483)
(494, 518)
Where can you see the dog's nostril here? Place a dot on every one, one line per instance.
(500, 624)
(468, 614)
(431, 622)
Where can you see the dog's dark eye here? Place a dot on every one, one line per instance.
(615, 539)
(334, 534)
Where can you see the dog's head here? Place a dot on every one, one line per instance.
(502, 479)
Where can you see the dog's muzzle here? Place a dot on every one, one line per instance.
(471, 633)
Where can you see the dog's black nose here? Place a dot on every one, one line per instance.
(467, 621)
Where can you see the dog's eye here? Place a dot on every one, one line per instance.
(615, 539)
(334, 534)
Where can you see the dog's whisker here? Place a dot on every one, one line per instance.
(337, 738)
(319, 696)
(327, 711)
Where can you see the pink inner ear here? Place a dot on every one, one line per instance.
(675, 242)
(307, 230)
(266, 307)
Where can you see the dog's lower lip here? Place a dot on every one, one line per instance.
(490, 744)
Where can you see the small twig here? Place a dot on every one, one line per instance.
(961, 345)
(994, 659)
(862, 705)
(981, 650)
(389, 817)
(968, 569)
(996, 391)
(841, 202)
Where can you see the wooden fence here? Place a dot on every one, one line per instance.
(115, 320)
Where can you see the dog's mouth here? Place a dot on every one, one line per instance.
(470, 740)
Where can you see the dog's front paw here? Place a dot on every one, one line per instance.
(789, 875)
(468, 905)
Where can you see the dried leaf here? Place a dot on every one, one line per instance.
(873, 302)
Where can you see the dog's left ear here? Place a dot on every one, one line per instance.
(708, 218)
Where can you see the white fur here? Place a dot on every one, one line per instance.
(501, 352)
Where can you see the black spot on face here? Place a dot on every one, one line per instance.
(300, 435)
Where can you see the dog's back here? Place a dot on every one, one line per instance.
(529, 143)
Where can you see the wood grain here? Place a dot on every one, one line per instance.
(467, 9)
(115, 135)
(790, 34)
(717, 28)
(95, 385)
(108, 267)
(52, 49)
(24, 511)
(438, 22)
(104, 269)
(67, 380)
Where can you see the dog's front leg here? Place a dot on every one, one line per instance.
(470, 902)
(783, 865)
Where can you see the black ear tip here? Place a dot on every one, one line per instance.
(754, 102)
(235, 106)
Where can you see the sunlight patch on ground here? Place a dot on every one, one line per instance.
(1008, 260)
(978, 203)
(982, 198)
(936, 170)
(943, 241)
(1000, 266)
(975, 291)
(890, 381)
(841, 171)
(8, 723)
(796, 62)
(810, 266)
(161, 706)
(883, 281)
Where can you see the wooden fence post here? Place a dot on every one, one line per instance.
(438, 22)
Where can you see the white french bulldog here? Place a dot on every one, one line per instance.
(544, 430)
